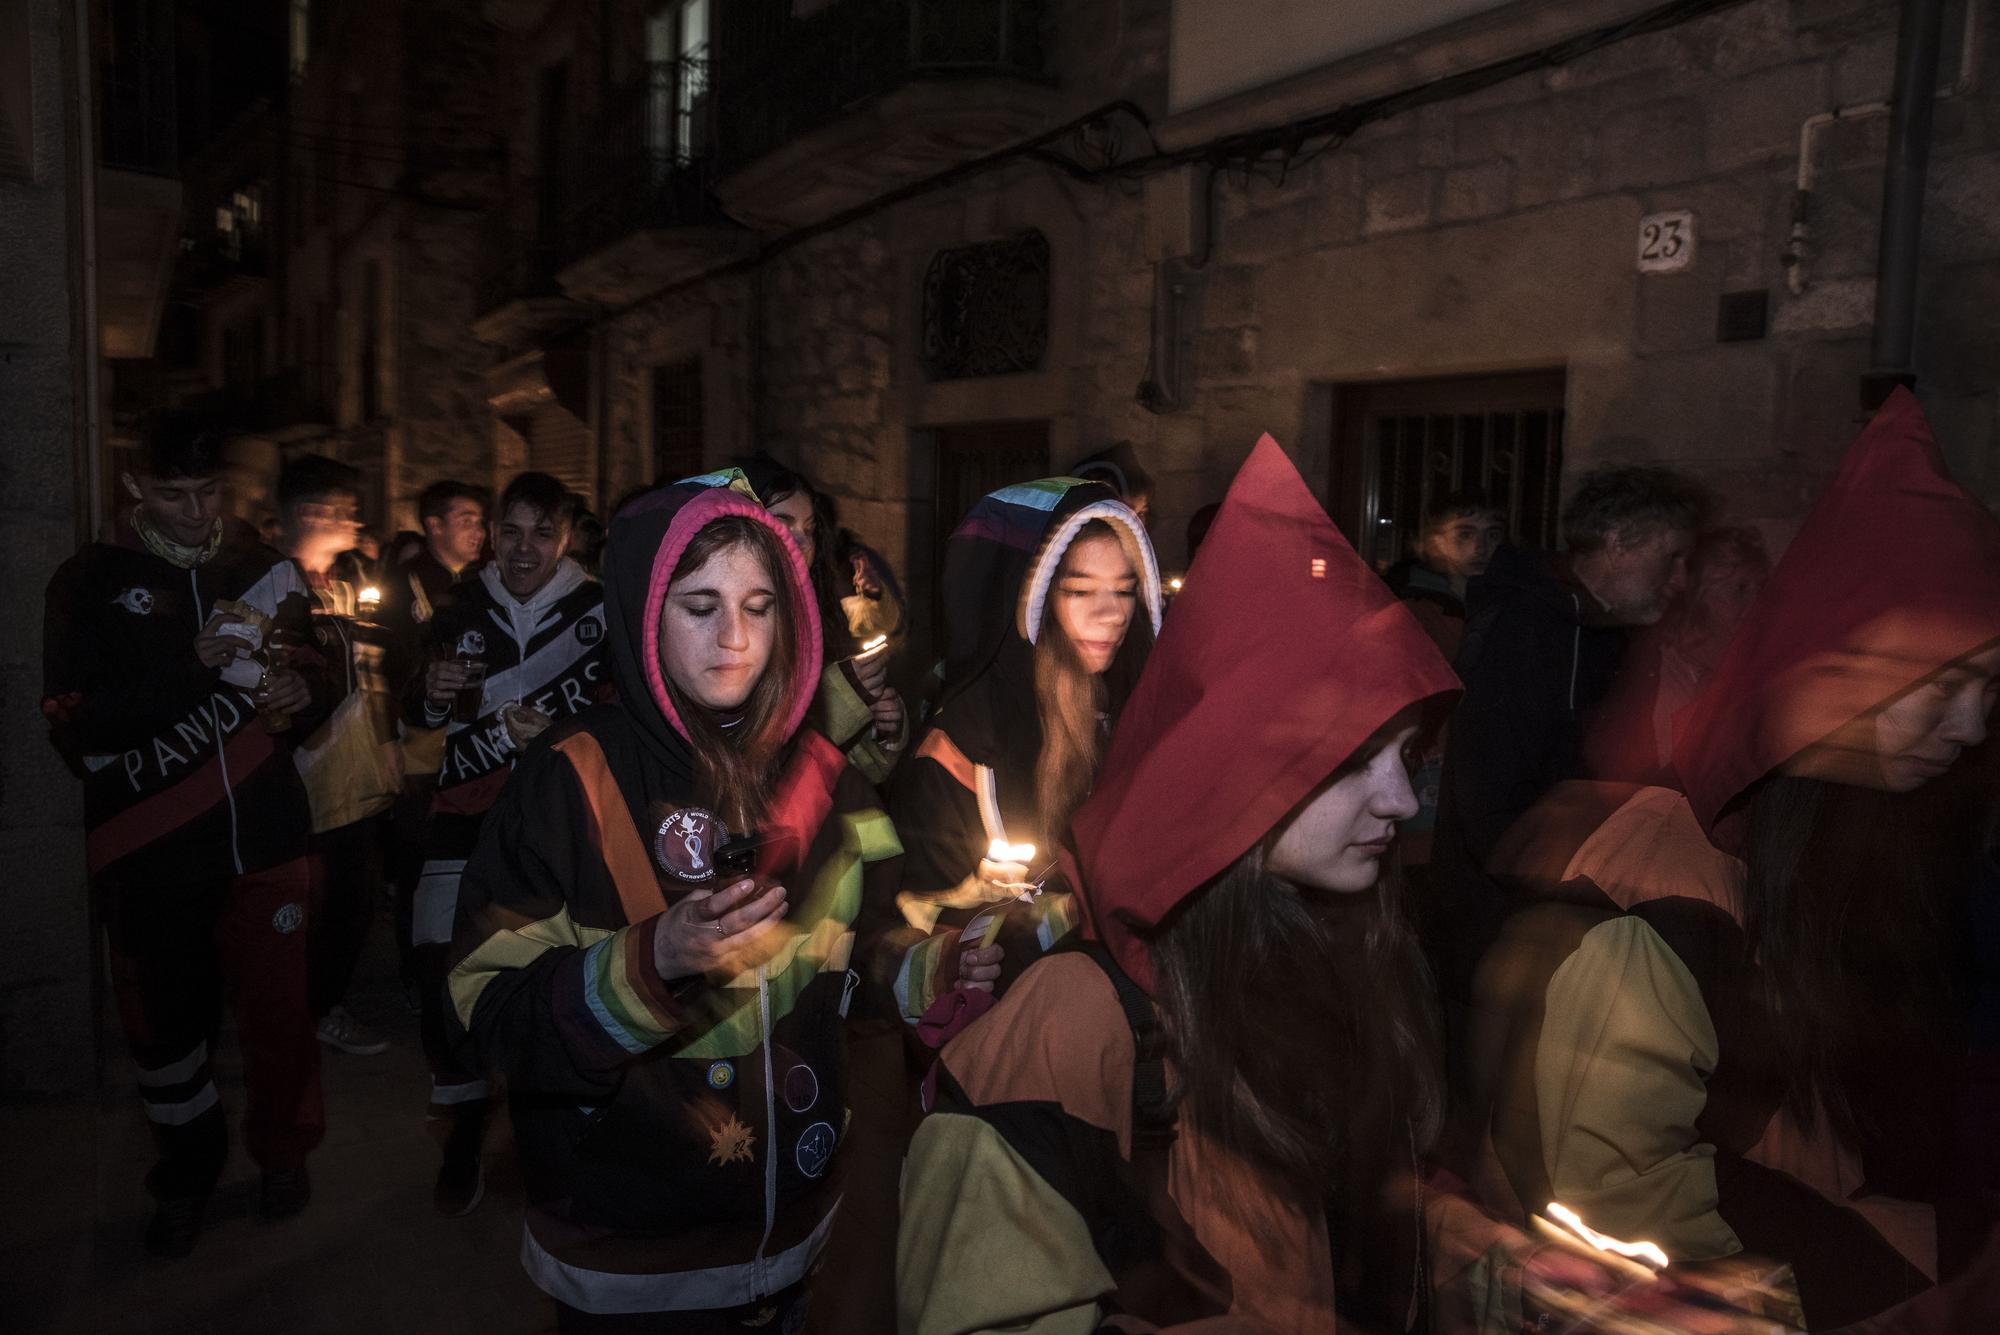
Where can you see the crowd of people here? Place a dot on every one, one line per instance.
(1606, 939)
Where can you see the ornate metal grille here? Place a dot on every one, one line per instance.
(986, 308)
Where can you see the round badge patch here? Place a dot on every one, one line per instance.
(288, 919)
(721, 1075)
(686, 843)
(801, 1088)
(816, 1148)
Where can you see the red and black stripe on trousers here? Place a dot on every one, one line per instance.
(196, 839)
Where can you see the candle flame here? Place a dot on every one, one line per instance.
(1175, 583)
(1647, 1253)
(370, 595)
(874, 646)
(1002, 851)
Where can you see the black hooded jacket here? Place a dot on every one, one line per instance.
(675, 1138)
(1536, 663)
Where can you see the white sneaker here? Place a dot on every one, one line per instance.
(338, 1029)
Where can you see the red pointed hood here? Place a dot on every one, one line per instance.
(1895, 573)
(1282, 656)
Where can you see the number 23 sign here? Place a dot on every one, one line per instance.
(1666, 242)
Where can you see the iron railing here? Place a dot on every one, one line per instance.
(643, 163)
(781, 77)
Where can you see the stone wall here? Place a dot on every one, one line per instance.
(45, 978)
(1495, 232)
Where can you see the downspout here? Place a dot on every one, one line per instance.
(86, 157)
(1917, 45)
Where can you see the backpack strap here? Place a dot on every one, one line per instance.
(1154, 1109)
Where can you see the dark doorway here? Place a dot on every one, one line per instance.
(1400, 444)
(969, 461)
(677, 429)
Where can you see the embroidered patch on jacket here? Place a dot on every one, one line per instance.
(471, 644)
(801, 1088)
(685, 844)
(288, 919)
(731, 1142)
(816, 1148)
(721, 1075)
(588, 631)
(136, 601)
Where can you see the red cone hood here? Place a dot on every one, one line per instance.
(1280, 658)
(1895, 574)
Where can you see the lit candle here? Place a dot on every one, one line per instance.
(1175, 584)
(1002, 851)
(873, 647)
(370, 598)
(1646, 1255)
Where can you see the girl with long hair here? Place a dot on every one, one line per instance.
(861, 618)
(1724, 1027)
(1209, 1113)
(657, 938)
(1052, 599)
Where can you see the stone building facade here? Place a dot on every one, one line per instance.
(1445, 288)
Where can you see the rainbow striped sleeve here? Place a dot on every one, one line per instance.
(917, 981)
(610, 1000)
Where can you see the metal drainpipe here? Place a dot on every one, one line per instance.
(1917, 45)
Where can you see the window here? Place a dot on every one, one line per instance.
(677, 439)
(1400, 445)
(677, 80)
(299, 33)
(551, 111)
(986, 308)
(371, 368)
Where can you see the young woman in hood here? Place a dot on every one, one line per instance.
(671, 1026)
(1722, 1028)
(1208, 1114)
(856, 706)
(1052, 599)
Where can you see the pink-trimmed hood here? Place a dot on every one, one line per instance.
(648, 538)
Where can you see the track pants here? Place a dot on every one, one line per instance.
(178, 949)
(454, 1083)
(346, 863)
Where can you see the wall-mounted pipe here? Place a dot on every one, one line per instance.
(1917, 44)
(1797, 248)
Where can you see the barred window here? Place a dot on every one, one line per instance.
(986, 308)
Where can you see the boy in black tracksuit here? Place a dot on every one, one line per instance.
(535, 622)
(197, 821)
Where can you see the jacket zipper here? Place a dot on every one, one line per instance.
(760, 1285)
(221, 747)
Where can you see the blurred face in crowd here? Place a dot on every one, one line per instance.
(186, 509)
(1336, 839)
(718, 627)
(1461, 547)
(795, 512)
(1096, 591)
(319, 528)
(457, 536)
(1922, 732)
(527, 547)
(1641, 570)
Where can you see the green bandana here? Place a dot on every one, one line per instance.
(164, 547)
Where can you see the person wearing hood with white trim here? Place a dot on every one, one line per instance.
(1052, 600)
(534, 622)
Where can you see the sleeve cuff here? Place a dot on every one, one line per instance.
(626, 998)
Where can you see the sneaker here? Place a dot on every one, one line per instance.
(175, 1225)
(461, 1179)
(338, 1029)
(283, 1193)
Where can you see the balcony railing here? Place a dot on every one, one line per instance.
(644, 163)
(785, 76)
(139, 131)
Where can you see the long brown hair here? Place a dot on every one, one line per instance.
(1850, 898)
(1071, 699)
(1302, 1029)
(737, 765)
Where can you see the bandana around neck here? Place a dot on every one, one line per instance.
(164, 547)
